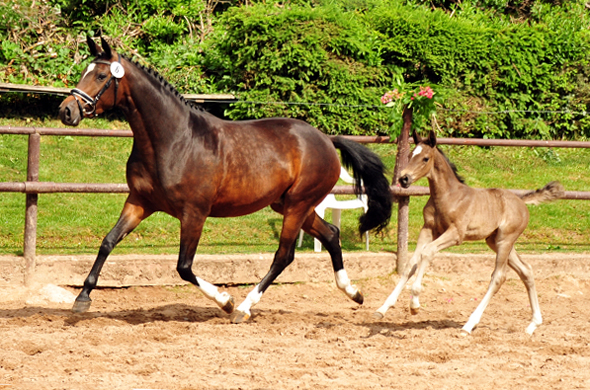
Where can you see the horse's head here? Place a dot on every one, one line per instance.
(97, 90)
(422, 159)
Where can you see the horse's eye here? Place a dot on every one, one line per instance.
(426, 159)
(101, 77)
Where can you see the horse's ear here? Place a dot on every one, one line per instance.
(92, 46)
(416, 138)
(106, 48)
(431, 141)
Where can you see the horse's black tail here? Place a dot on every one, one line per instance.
(368, 172)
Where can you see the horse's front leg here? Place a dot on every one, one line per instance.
(329, 236)
(190, 234)
(133, 213)
(424, 238)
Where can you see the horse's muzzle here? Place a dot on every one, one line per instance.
(405, 181)
(69, 112)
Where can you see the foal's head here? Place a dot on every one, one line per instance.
(422, 160)
(97, 90)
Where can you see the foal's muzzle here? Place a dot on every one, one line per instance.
(405, 181)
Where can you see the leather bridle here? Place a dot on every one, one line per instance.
(88, 100)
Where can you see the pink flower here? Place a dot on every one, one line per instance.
(426, 91)
(389, 96)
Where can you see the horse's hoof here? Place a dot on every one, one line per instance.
(81, 306)
(414, 310)
(378, 316)
(229, 306)
(358, 297)
(239, 316)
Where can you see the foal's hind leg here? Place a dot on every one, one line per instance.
(525, 272)
(498, 277)
(329, 236)
(131, 216)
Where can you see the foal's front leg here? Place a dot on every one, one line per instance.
(447, 239)
(424, 238)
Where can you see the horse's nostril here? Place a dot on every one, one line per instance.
(68, 113)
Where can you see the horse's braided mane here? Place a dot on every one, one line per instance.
(159, 78)
(452, 165)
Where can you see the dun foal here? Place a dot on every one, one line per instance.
(456, 213)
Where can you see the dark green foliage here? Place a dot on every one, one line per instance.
(512, 68)
(319, 58)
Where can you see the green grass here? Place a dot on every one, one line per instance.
(77, 223)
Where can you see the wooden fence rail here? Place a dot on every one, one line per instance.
(32, 186)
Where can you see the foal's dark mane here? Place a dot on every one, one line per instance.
(452, 165)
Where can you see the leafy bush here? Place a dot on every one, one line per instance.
(319, 59)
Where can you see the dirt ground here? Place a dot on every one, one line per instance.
(306, 336)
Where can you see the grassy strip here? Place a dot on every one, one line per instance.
(76, 223)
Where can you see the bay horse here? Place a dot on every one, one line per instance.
(193, 165)
(456, 213)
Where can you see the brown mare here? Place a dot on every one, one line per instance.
(456, 213)
(192, 165)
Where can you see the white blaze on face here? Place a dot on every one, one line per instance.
(88, 70)
(418, 150)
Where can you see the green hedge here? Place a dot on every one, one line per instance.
(510, 69)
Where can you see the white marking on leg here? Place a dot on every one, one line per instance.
(252, 299)
(417, 150)
(343, 283)
(88, 70)
(211, 292)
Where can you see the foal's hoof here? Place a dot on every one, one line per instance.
(358, 297)
(81, 306)
(239, 316)
(229, 306)
(378, 316)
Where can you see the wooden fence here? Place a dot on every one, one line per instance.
(32, 187)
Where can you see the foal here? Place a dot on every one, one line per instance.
(456, 213)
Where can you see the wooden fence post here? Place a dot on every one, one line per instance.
(403, 211)
(30, 239)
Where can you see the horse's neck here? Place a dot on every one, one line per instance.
(155, 115)
(442, 180)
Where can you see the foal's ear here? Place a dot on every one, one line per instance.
(416, 138)
(92, 46)
(431, 141)
(106, 48)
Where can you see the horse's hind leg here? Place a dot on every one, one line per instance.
(525, 272)
(284, 256)
(190, 234)
(329, 236)
(131, 216)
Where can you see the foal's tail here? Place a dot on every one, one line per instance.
(551, 191)
(367, 170)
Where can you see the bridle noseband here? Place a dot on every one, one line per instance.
(88, 100)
